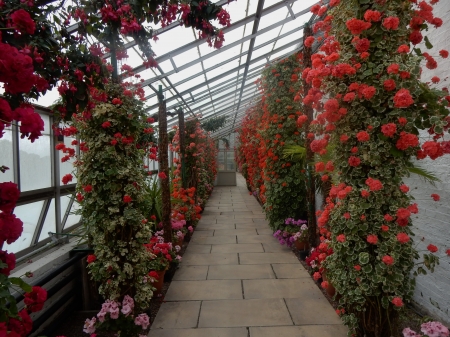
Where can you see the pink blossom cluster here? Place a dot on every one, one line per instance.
(430, 329)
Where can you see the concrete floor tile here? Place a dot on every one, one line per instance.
(194, 259)
(233, 221)
(214, 226)
(264, 231)
(275, 247)
(204, 290)
(177, 315)
(240, 272)
(213, 240)
(261, 221)
(243, 313)
(203, 233)
(256, 239)
(290, 271)
(306, 311)
(282, 288)
(300, 331)
(208, 332)
(263, 258)
(238, 248)
(200, 249)
(247, 231)
(250, 225)
(191, 273)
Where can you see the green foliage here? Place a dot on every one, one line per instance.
(295, 153)
(214, 124)
(116, 228)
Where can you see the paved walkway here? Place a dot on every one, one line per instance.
(236, 280)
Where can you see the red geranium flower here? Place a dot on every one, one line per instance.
(35, 299)
(436, 197)
(432, 248)
(391, 23)
(354, 161)
(162, 175)
(127, 199)
(443, 53)
(87, 188)
(403, 237)
(372, 239)
(106, 124)
(23, 22)
(363, 136)
(388, 260)
(404, 188)
(389, 85)
(67, 178)
(370, 15)
(397, 301)
(389, 129)
(9, 194)
(91, 258)
(356, 26)
(340, 238)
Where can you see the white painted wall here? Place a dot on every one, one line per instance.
(432, 294)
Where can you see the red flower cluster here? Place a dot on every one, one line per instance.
(35, 299)
(374, 184)
(356, 26)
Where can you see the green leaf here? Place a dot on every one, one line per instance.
(418, 51)
(363, 258)
(21, 283)
(428, 43)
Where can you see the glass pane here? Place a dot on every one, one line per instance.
(6, 155)
(35, 161)
(73, 219)
(29, 214)
(49, 223)
(67, 167)
(230, 161)
(221, 161)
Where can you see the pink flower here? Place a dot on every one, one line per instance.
(126, 309)
(89, 325)
(114, 311)
(142, 320)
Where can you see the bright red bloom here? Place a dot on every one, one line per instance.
(402, 121)
(415, 37)
(413, 208)
(384, 228)
(389, 129)
(162, 175)
(388, 260)
(87, 188)
(23, 22)
(91, 258)
(388, 217)
(436, 197)
(349, 97)
(407, 140)
(106, 124)
(67, 178)
(361, 45)
(374, 184)
(127, 199)
(369, 92)
(340, 238)
(403, 237)
(16, 70)
(11, 227)
(31, 123)
(403, 213)
(404, 188)
(435, 79)
(432, 149)
(393, 69)
(372, 239)
(403, 49)
(331, 106)
(325, 284)
(391, 23)
(365, 193)
(356, 26)
(343, 138)
(389, 85)
(357, 267)
(20, 327)
(443, 53)
(320, 167)
(432, 248)
(397, 301)
(372, 16)
(9, 194)
(354, 161)
(153, 274)
(329, 166)
(363, 136)
(116, 101)
(35, 299)
(9, 259)
(309, 41)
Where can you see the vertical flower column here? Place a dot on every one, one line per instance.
(374, 107)
(111, 191)
(281, 126)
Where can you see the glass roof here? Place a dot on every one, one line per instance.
(213, 82)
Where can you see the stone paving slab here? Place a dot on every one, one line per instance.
(177, 315)
(206, 232)
(191, 273)
(281, 288)
(196, 259)
(208, 332)
(305, 311)
(300, 331)
(275, 247)
(204, 227)
(243, 313)
(204, 290)
(264, 231)
(267, 258)
(200, 249)
(247, 231)
(234, 221)
(238, 248)
(213, 240)
(250, 225)
(240, 272)
(255, 239)
(290, 271)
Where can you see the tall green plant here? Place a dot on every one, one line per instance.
(111, 189)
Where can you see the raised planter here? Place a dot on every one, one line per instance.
(330, 289)
(158, 284)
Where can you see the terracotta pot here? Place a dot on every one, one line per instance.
(330, 289)
(302, 245)
(158, 284)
